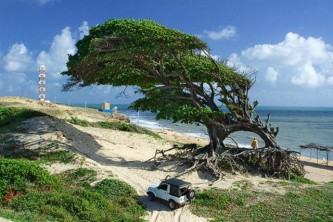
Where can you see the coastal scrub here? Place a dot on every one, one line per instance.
(30, 193)
(13, 114)
(114, 125)
(312, 203)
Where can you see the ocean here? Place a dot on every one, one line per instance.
(298, 126)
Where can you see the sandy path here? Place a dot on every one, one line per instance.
(125, 154)
(321, 172)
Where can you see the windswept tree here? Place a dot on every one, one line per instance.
(176, 75)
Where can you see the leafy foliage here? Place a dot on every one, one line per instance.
(177, 80)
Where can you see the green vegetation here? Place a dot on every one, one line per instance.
(45, 154)
(312, 203)
(179, 80)
(29, 193)
(21, 175)
(9, 115)
(106, 188)
(82, 176)
(63, 156)
(121, 194)
(300, 179)
(114, 125)
(79, 122)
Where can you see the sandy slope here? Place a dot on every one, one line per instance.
(125, 155)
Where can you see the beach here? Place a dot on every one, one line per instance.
(126, 155)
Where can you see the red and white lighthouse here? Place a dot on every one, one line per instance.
(42, 83)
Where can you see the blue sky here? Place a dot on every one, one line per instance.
(288, 43)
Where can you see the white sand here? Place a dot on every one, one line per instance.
(125, 156)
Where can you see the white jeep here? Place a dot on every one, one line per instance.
(175, 191)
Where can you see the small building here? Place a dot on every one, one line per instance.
(106, 106)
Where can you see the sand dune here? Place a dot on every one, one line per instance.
(125, 155)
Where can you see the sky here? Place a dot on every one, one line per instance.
(289, 44)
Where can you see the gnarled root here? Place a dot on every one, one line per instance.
(268, 161)
(275, 162)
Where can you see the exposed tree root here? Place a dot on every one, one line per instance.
(268, 161)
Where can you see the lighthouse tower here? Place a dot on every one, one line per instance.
(42, 83)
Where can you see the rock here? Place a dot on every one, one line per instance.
(120, 117)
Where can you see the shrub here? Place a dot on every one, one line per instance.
(70, 205)
(34, 195)
(22, 174)
(113, 189)
(77, 121)
(13, 114)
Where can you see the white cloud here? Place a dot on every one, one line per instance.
(302, 61)
(56, 57)
(18, 68)
(84, 29)
(271, 74)
(235, 62)
(17, 59)
(227, 32)
(308, 75)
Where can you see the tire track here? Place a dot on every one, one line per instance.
(109, 155)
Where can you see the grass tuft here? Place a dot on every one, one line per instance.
(63, 156)
(301, 179)
(82, 176)
(9, 115)
(114, 125)
(79, 122)
(304, 204)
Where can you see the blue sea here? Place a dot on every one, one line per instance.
(298, 126)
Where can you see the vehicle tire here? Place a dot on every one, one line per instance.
(151, 196)
(172, 205)
(190, 195)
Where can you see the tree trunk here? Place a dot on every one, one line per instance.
(218, 132)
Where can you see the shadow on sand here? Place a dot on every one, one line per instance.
(82, 143)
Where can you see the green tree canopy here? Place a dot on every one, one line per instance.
(173, 70)
(178, 80)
